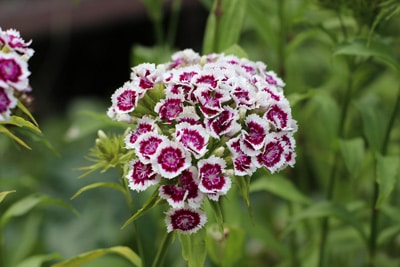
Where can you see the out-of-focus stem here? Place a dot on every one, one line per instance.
(331, 183)
(374, 210)
(173, 24)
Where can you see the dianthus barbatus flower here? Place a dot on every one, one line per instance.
(14, 73)
(195, 121)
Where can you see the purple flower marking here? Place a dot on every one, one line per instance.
(171, 159)
(169, 109)
(185, 220)
(141, 176)
(193, 137)
(278, 116)
(212, 178)
(224, 123)
(147, 144)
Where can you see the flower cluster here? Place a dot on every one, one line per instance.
(199, 120)
(14, 73)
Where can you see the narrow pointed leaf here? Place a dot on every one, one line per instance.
(27, 112)
(328, 209)
(21, 122)
(280, 186)
(387, 173)
(83, 258)
(26, 204)
(353, 153)
(369, 48)
(5, 131)
(374, 122)
(153, 201)
(38, 260)
(99, 185)
(219, 218)
(194, 248)
(224, 25)
(4, 194)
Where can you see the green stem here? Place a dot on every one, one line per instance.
(281, 39)
(162, 251)
(293, 241)
(331, 183)
(173, 25)
(129, 201)
(374, 210)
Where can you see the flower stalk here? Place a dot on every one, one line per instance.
(372, 242)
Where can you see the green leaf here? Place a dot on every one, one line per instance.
(236, 50)
(387, 173)
(38, 260)
(5, 131)
(224, 25)
(244, 187)
(373, 48)
(353, 153)
(374, 122)
(234, 246)
(209, 39)
(83, 258)
(27, 112)
(226, 248)
(102, 184)
(194, 248)
(296, 98)
(26, 204)
(328, 209)
(279, 186)
(388, 233)
(21, 122)
(4, 194)
(153, 201)
(216, 208)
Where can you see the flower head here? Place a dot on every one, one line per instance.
(14, 73)
(206, 118)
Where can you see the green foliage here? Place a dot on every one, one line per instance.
(387, 174)
(194, 248)
(86, 257)
(340, 64)
(224, 25)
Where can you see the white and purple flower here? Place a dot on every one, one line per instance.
(170, 159)
(185, 220)
(213, 180)
(141, 176)
(7, 102)
(206, 118)
(14, 73)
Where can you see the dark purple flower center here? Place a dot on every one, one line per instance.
(142, 172)
(171, 159)
(185, 220)
(256, 133)
(211, 177)
(126, 100)
(149, 145)
(272, 154)
(171, 109)
(10, 70)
